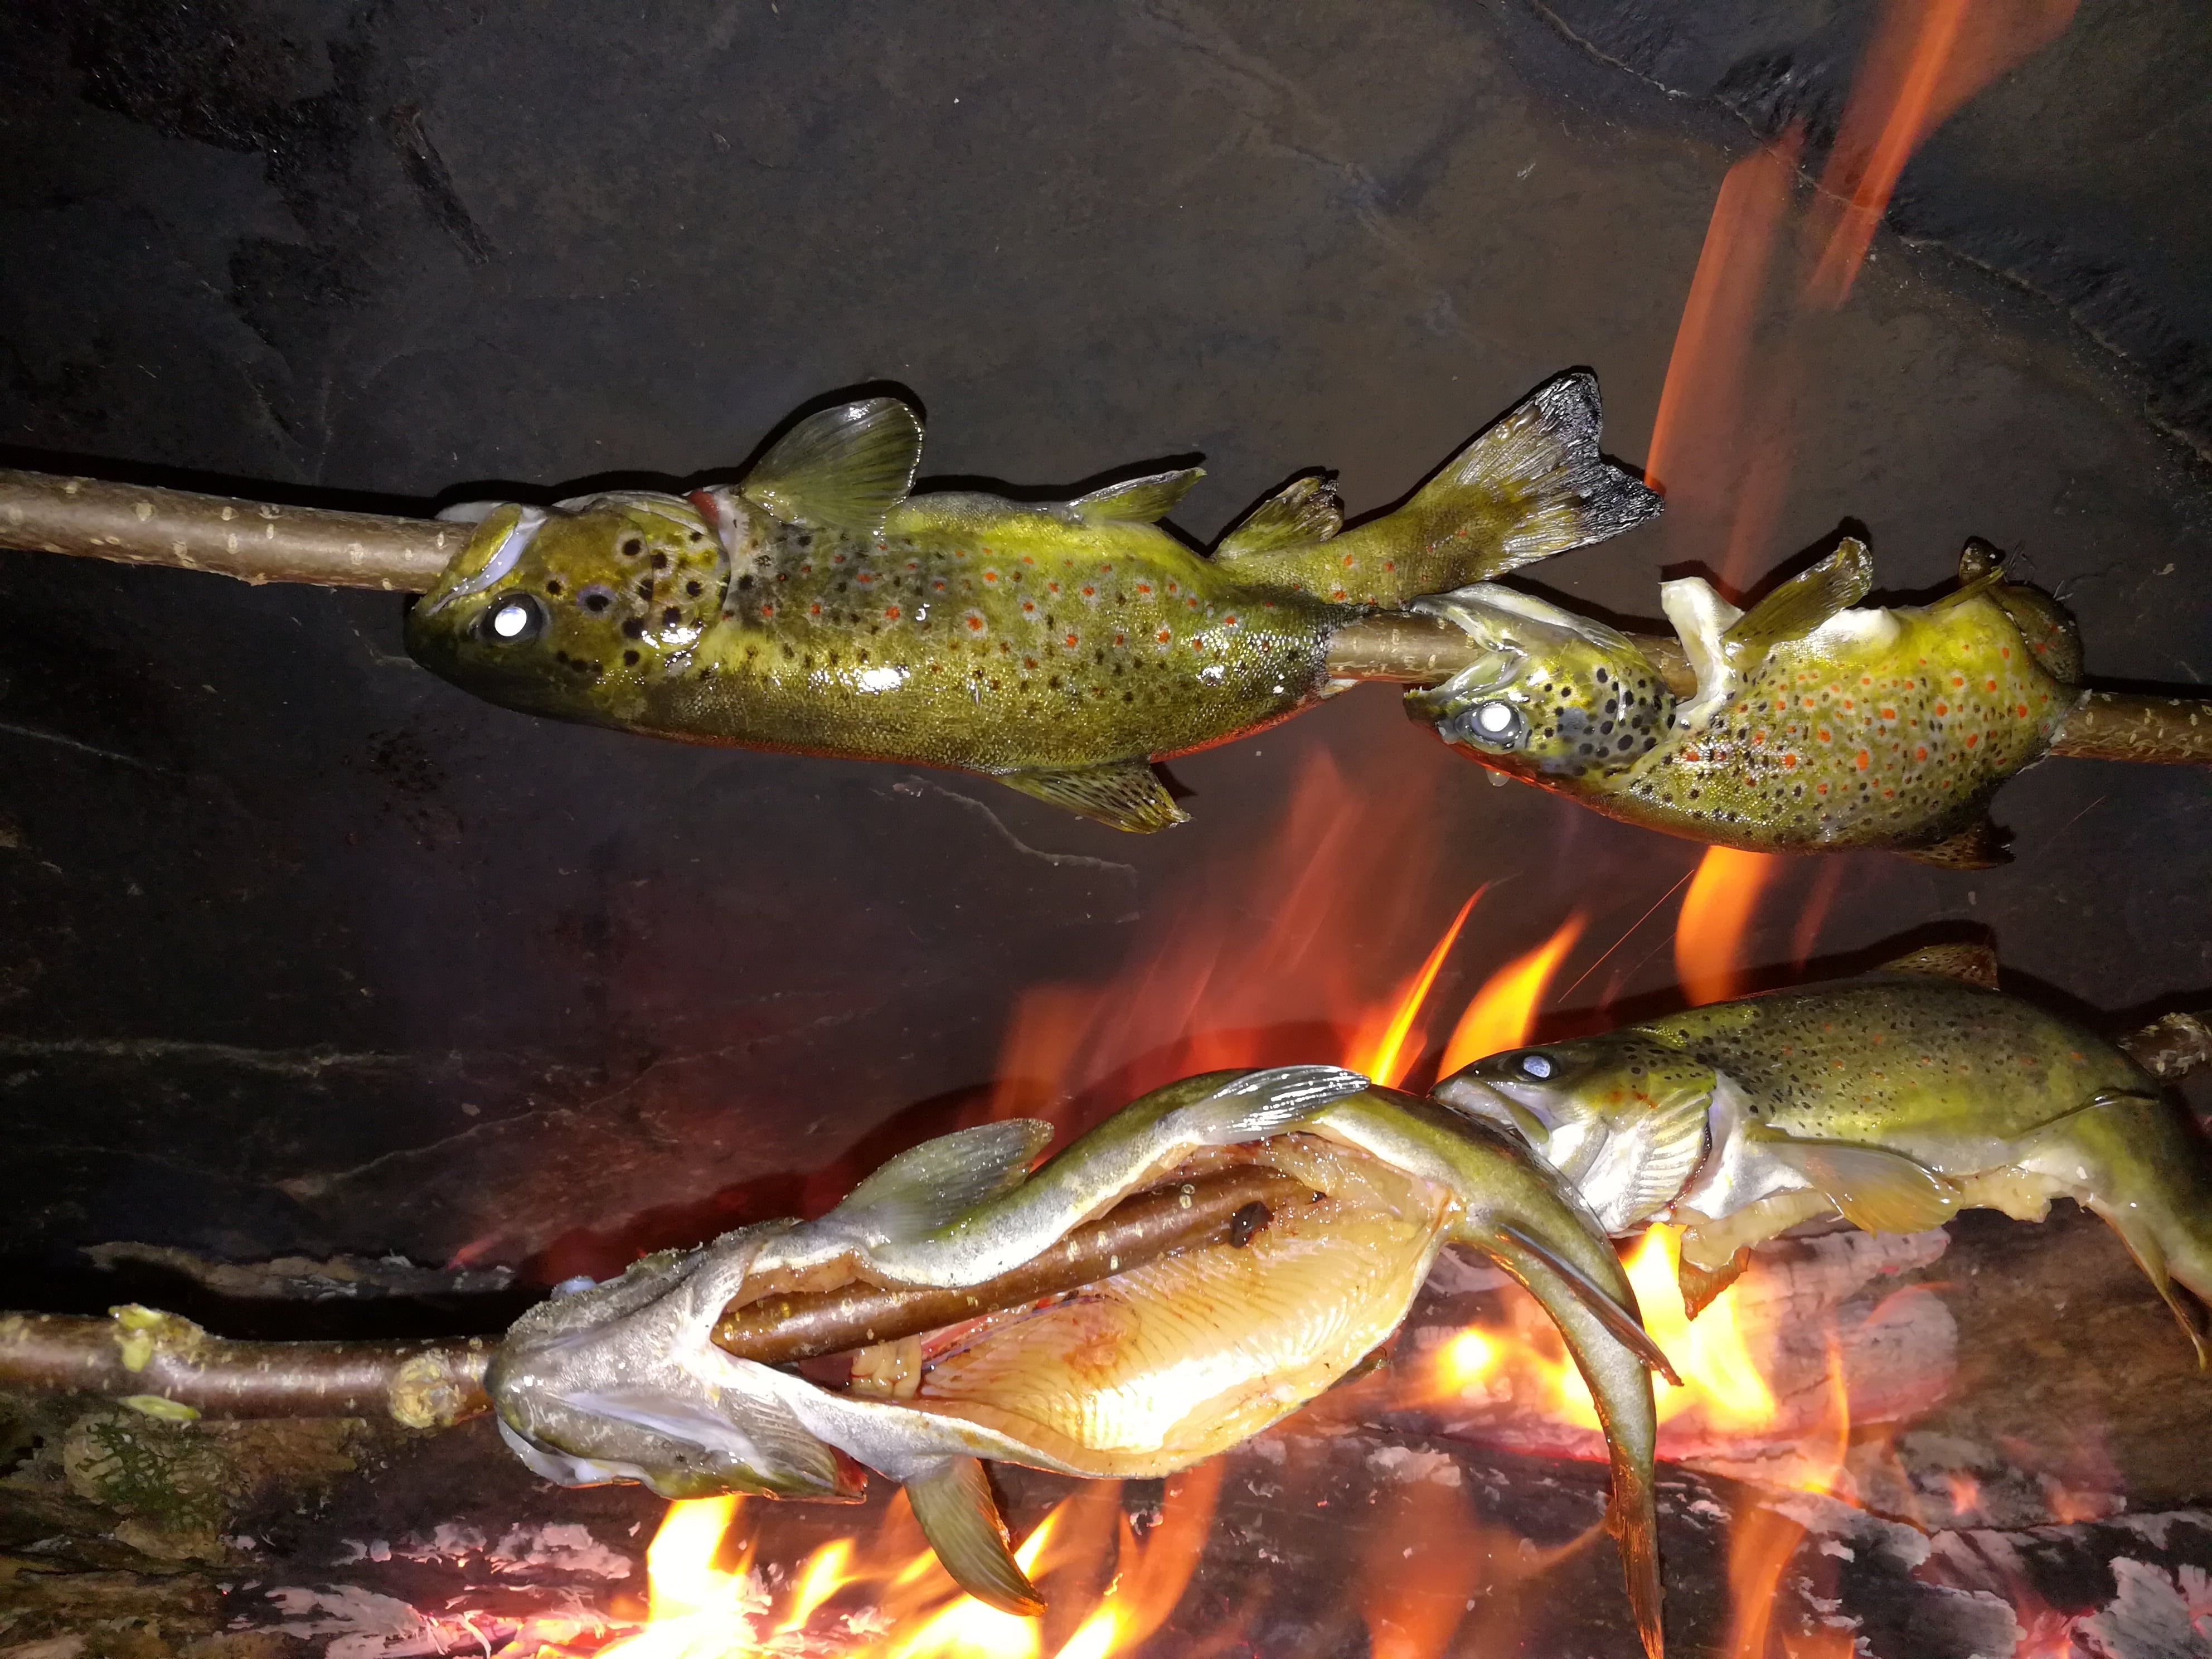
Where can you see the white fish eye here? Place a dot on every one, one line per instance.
(1536, 1066)
(514, 619)
(1495, 723)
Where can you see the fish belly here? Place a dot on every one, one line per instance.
(1173, 1361)
(1857, 736)
(1060, 649)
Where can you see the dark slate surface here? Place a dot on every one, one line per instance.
(303, 950)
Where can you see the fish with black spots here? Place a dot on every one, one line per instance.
(821, 608)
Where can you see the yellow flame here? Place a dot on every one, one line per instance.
(1716, 911)
(1469, 1355)
(967, 1626)
(1503, 1011)
(825, 1574)
(1384, 1057)
(1095, 1637)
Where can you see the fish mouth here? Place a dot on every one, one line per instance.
(1473, 1097)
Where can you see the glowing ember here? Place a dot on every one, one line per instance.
(1716, 912)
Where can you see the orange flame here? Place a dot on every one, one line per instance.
(1928, 57)
(1384, 1054)
(1504, 1011)
(1765, 1541)
(1716, 911)
(1698, 405)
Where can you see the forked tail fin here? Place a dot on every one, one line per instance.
(1533, 485)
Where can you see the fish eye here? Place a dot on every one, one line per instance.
(1536, 1066)
(514, 620)
(1494, 722)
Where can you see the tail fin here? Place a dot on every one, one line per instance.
(1533, 485)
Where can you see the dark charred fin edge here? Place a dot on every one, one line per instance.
(2047, 626)
(960, 1517)
(1303, 512)
(1625, 1322)
(1543, 460)
(1139, 500)
(2172, 1046)
(844, 468)
(1973, 963)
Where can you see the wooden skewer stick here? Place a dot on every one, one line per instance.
(259, 542)
(1229, 1207)
(168, 1366)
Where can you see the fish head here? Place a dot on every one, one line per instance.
(1621, 1116)
(571, 609)
(622, 1382)
(1552, 695)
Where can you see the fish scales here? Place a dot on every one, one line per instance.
(1943, 1071)
(1814, 727)
(821, 608)
(1894, 1101)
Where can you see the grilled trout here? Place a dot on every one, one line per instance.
(821, 608)
(1814, 728)
(1894, 1101)
(1148, 1370)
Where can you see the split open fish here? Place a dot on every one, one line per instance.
(1061, 647)
(1148, 1370)
(1896, 1100)
(1815, 727)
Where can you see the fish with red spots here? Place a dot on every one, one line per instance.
(1814, 726)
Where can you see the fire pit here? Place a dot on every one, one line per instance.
(335, 1006)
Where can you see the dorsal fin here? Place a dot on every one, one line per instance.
(1976, 964)
(930, 1186)
(1139, 500)
(842, 469)
(1304, 511)
(1804, 603)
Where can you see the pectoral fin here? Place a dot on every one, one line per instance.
(1139, 500)
(1120, 794)
(1804, 603)
(1304, 511)
(1877, 1190)
(930, 1186)
(1622, 1321)
(960, 1518)
(843, 468)
(1262, 1104)
(1699, 1285)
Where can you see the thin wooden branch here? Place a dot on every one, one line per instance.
(1228, 1207)
(259, 542)
(254, 541)
(168, 1366)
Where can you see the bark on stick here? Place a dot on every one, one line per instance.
(170, 1367)
(260, 541)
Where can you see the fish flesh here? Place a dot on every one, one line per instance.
(1895, 1101)
(1148, 1371)
(1815, 725)
(820, 607)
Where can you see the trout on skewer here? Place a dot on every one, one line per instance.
(1148, 1370)
(820, 608)
(1813, 726)
(1895, 1101)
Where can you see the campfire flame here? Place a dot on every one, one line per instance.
(1716, 915)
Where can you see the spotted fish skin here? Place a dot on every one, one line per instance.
(820, 608)
(1895, 1100)
(1867, 728)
